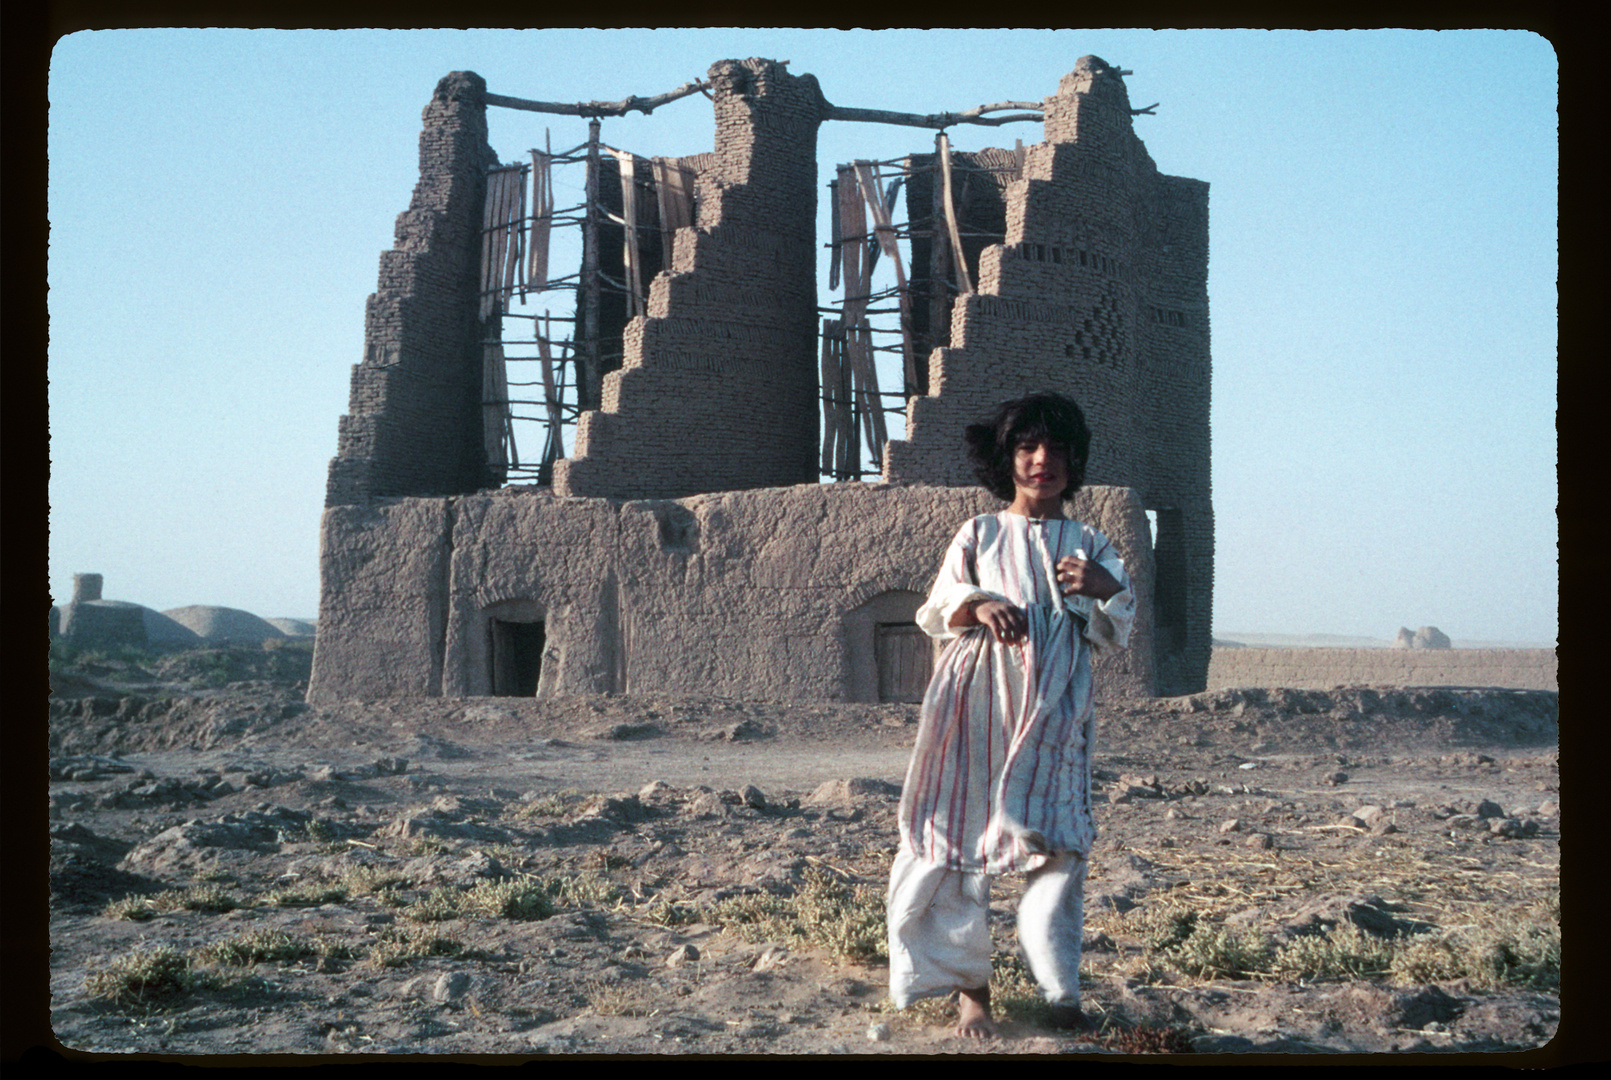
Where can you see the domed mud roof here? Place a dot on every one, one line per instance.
(223, 624)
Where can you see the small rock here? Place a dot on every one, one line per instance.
(1232, 825)
(878, 1033)
(1487, 808)
(753, 797)
(1337, 778)
(1513, 828)
(654, 789)
(838, 792)
(450, 986)
(1549, 808)
(1259, 842)
(681, 955)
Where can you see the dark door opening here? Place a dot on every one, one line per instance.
(905, 660)
(516, 652)
(1169, 579)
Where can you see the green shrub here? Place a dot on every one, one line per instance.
(522, 901)
(257, 947)
(149, 977)
(847, 920)
(398, 945)
(1342, 953)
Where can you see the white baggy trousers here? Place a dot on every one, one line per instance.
(939, 928)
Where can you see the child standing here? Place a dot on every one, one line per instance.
(1000, 775)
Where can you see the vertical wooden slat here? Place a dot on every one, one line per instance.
(964, 285)
(487, 214)
(589, 376)
(873, 193)
(629, 218)
(853, 229)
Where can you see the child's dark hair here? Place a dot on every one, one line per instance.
(1045, 417)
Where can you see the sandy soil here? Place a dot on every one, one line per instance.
(652, 821)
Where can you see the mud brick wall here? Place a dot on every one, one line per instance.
(1322, 669)
(718, 387)
(769, 594)
(413, 423)
(1098, 290)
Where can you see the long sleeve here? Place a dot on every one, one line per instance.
(956, 585)
(1108, 622)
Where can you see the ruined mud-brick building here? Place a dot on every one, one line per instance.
(686, 543)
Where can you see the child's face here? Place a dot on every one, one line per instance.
(1040, 468)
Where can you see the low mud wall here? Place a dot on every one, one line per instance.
(1320, 669)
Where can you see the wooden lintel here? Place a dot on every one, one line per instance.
(598, 108)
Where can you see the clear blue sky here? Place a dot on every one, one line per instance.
(1383, 235)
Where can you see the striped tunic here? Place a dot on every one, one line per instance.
(1000, 777)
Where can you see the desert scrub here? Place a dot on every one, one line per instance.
(1491, 957)
(1340, 953)
(615, 998)
(396, 946)
(149, 977)
(1160, 928)
(362, 880)
(1222, 952)
(555, 804)
(257, 947)
(584, 890)
(668, 913)
(206, 897)
(847, 920)
(310, 895)
(438, 905)
(521, 901)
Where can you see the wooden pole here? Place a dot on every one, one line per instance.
(964, 285)
(590, 380)
(939, 265)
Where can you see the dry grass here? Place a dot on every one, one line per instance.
(207, 897)
(845, 919)
(257, 947)
(396, 946)
(153, 978)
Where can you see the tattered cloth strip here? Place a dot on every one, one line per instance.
(501, 236)
(542, 220)
(629, 222)
(834, 239)
(872, 191)
(674, 182)
(497, 426)
(841, 454)
(858, 351)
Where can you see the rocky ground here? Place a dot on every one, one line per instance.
(233, 872)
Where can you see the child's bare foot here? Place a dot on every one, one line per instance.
(973, 1019)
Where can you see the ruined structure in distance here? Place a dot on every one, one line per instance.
(686, 543)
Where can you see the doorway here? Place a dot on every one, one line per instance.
(515, 650)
